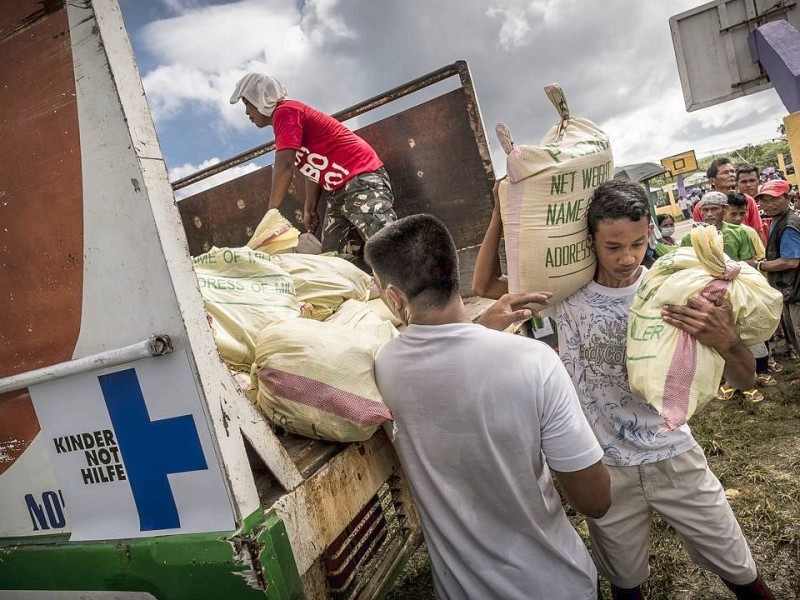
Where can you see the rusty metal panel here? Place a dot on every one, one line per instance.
(41, 205)
(436, 157)
(436, 165)
(227, 214)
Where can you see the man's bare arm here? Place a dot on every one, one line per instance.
(310, 217)
(487, 278)
(510, 309)
(779, 264)
(709, 319)
(282, 173)
(587, 490)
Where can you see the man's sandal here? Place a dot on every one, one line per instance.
(725, 393)
(775, 367)
(753, 396)
(765, 380)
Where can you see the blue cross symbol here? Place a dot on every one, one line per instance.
(151, 449)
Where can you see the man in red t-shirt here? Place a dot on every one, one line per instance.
(340, 166)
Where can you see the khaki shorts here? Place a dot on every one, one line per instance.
(690, 498)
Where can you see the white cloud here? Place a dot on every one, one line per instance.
(202, 52)
(216, 38)
(614, 60)
(663, 128)
(322, 23)
(169, 87)
(515, 30)
(180, 6)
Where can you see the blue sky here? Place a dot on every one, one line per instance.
(614, 60)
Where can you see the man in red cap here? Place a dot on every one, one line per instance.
(782, 265)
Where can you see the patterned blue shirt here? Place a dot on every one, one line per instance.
(592, 336)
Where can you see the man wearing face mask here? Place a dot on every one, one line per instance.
(477, 441)
(341, 168)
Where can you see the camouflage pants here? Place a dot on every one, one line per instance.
(364, 203)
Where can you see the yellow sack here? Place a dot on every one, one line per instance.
(243, 290)
(379, 307)
(274, 234)
(316, 379)
(324, 282)
(543, 203)
(669, 368)
(361, 316)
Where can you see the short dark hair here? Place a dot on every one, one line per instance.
(417, 255)
(617, 199)
(736, 199)
(744, 169)
(663, 217)
(715, 165)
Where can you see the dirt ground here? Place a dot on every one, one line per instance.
(754, 449)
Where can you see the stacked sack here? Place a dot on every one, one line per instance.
(316, 378)
(311, 377)
(669, 368)
(544, 199)
(274, 234)
(322, 283)
(243, 290)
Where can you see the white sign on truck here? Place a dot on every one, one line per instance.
(132, 451)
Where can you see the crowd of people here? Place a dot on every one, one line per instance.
(482, 418)
(749, 207)
(461, 428)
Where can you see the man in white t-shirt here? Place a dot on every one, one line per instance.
(651, 468)
(481, 417)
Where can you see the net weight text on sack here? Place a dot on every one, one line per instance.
(564, 183)
(591, 178)
(572, 211)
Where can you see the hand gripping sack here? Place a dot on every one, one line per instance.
(243, 290)
(316, 379)
(274, 234)
(544, 199)
(669, 368)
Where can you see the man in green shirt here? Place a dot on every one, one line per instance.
(736, 243)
